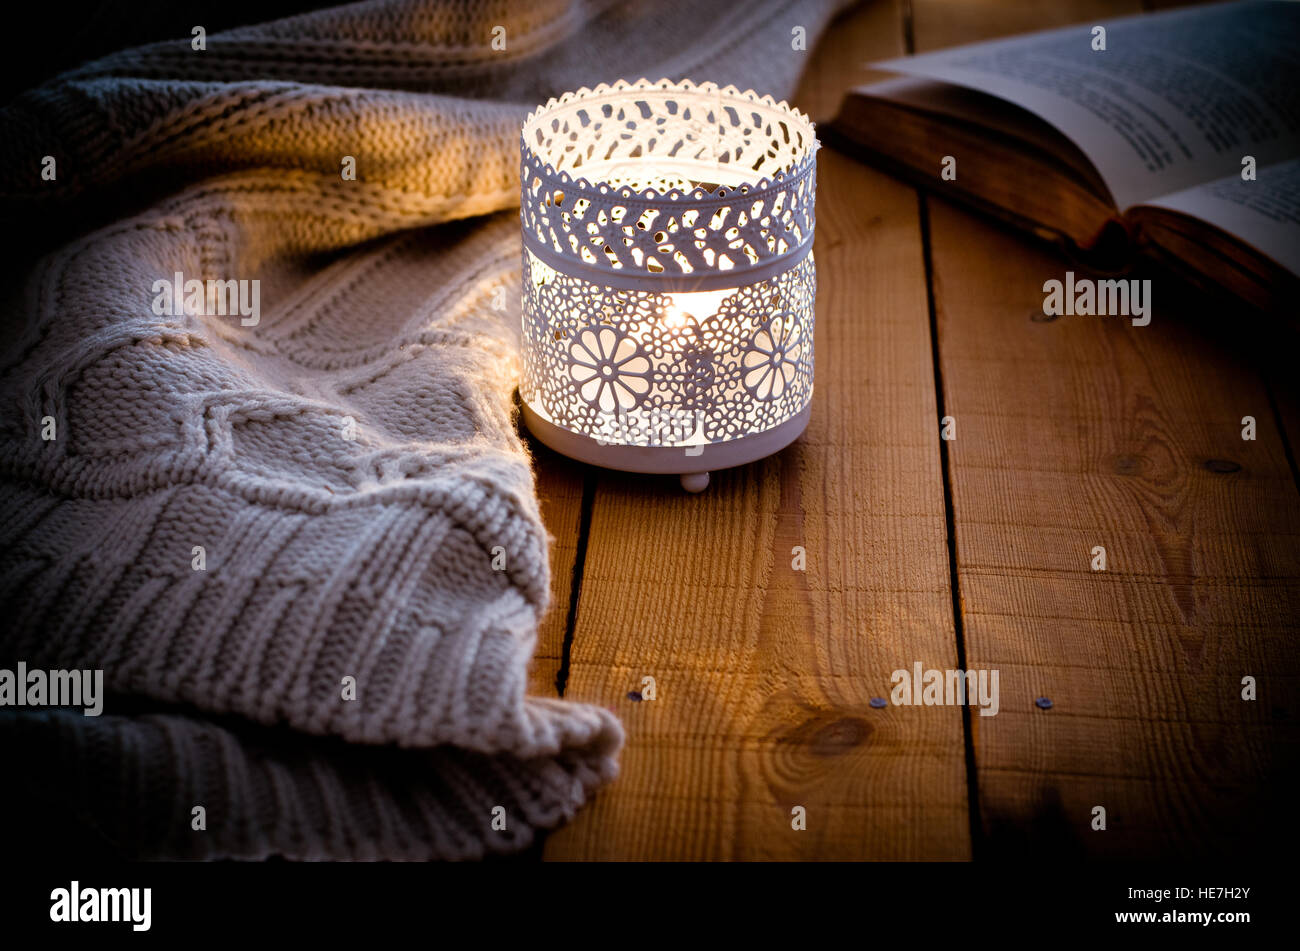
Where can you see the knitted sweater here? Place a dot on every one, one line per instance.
(301, 541)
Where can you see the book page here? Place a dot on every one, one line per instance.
(963, 104)
(1264, 213)
(1175, 99)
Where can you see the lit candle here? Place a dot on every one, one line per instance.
(668, 276)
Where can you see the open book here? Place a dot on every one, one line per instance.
(1181, 136)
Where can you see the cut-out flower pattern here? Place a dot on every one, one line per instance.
(772, 359)
(582, 341)
(611, 370)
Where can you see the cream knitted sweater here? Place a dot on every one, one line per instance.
(277, 537)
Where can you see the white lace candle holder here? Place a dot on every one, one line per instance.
(668, 276)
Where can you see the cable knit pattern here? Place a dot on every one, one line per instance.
(326, 557)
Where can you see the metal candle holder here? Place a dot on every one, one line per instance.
(668, 276)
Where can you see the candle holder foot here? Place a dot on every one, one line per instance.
(695, 481)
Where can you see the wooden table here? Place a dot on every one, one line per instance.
(965, 554)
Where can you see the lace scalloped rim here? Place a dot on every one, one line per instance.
(581, 183)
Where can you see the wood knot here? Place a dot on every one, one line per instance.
(1222, 465)
(839, 736)
(1128, 465)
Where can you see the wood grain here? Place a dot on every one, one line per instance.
(1086, 431)
(764, 674)
(1079, 432)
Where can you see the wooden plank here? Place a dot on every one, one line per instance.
(940, 23)
(857, 36)
(1079, 432)
(839, 62)
(1085, 431)
(559, 490)
(763, 673)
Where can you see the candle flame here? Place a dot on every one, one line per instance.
(681, 309)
